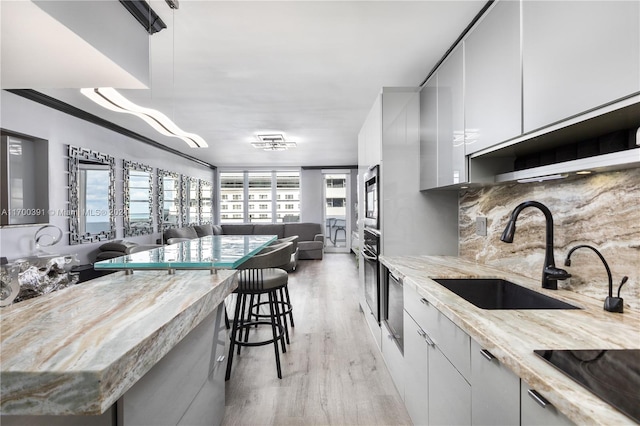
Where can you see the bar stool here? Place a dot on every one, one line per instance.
(286, 308)
(257, 276)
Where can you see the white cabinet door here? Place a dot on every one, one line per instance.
(495, 390)
(577, 55)
(429, 134)
(370, 136)
(416, 390)
(493, 79)
(452, 164)
(394, 359)
(449, 392)
(533, 413)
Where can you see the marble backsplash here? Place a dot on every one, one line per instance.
(601, 210)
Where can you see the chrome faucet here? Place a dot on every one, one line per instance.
(611, 304)
(550, 274)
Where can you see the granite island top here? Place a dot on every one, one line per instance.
(513, 335)
(78, 350)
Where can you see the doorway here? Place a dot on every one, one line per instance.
(337, 199)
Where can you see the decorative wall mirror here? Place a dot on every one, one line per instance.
(169, 200)
(206, 202)
(137, 199)
(91, 196)
(191, 200)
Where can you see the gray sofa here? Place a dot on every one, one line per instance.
(310, 241)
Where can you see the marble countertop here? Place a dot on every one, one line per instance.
(513, 335)
(78, 350)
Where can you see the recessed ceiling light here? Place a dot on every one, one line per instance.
(584, 172)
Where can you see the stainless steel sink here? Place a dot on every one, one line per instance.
(494, 293)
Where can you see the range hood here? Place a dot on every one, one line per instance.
(595, 143)
(600, 163)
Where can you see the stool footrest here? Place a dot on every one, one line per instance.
(279, 336)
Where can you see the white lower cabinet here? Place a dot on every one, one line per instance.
(437, 365)
(495, 390)
(435, 391)
(536, 410)
(450, 379)
(449, 392)
(394, 359)
(416, 388)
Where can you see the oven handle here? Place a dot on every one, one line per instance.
(368, 256)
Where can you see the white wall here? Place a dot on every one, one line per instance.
(311, 196)
(20, 115)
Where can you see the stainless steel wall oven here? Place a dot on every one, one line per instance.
(369, 253)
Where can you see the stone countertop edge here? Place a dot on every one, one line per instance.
(513, 335)
(78, 350)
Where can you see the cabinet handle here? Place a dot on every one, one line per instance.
(429, 341)
(488, 355)
(541, 400)
(422, 333)
(220, 358)
(424, 301)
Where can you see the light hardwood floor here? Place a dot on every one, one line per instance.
(332, 373)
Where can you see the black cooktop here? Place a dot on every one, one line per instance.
(613, 375)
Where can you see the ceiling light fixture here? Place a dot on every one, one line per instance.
(109, 98)
(274, 142)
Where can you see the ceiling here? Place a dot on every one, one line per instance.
(229, 70)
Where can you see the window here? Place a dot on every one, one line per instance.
(335, 202)
(335, 182)
(267, 187)
(231, 194)
(288, 186)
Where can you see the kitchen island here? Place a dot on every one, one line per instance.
(143, 347)
(511, 336)
(77, 351)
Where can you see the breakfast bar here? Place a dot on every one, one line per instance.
(120, 345)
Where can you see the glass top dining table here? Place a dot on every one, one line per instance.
(211, 252)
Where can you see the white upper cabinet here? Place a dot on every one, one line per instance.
(493, 99)
(577, 56)
(370, 137)
(429, 134)
(452, 164)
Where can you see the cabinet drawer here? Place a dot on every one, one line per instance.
(454, 343)
(534, 414)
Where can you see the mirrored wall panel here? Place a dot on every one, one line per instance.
(206, 202)
(169, 200)
(91, 196)
(138, 196)
(191, 200)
